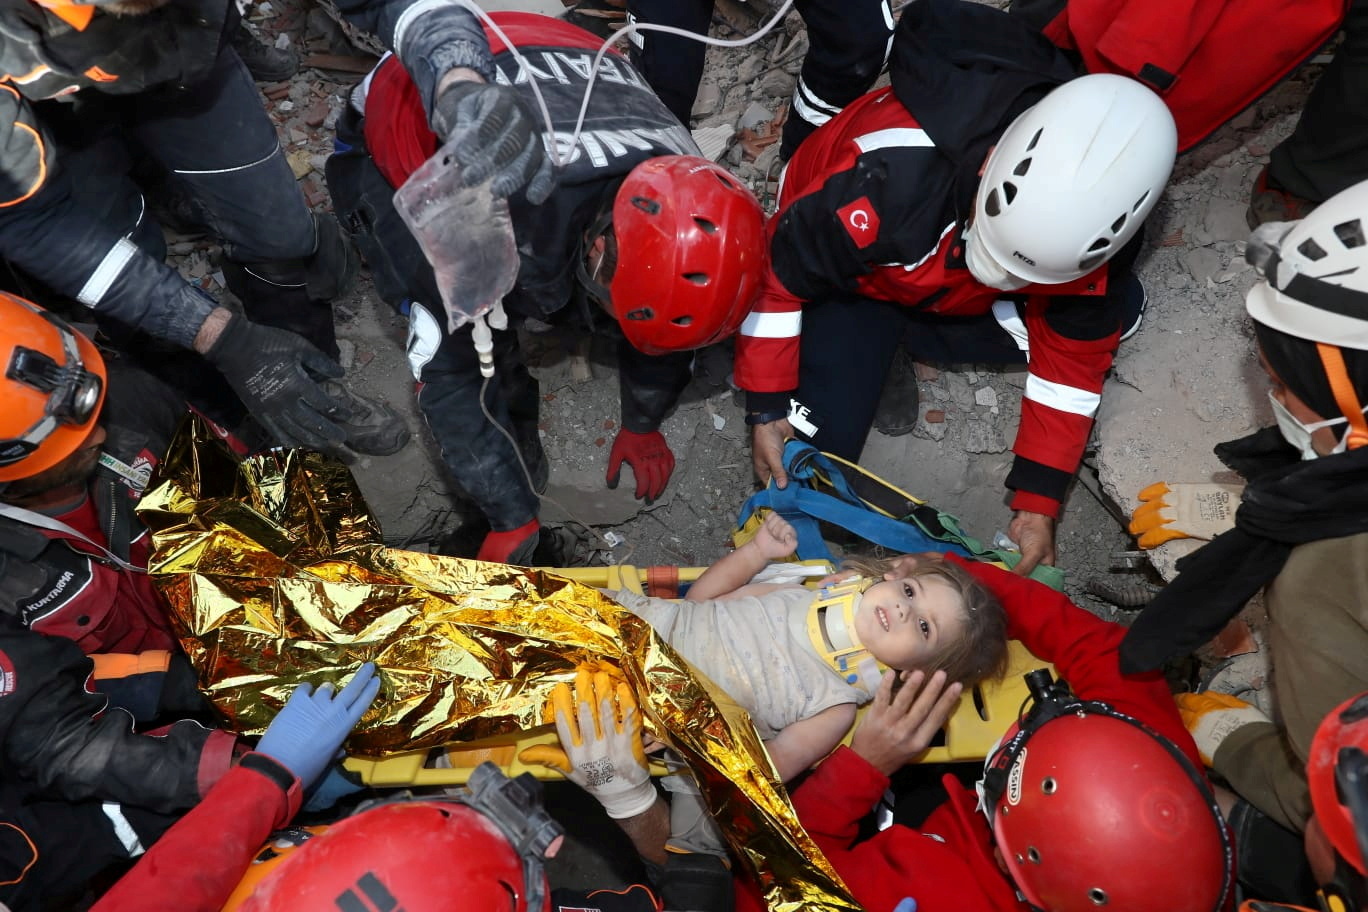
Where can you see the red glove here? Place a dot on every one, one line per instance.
(650, 458)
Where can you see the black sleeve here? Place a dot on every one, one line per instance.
(650, 385)
(58, 740)
(813, 251)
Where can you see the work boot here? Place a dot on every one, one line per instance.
(1134, 300)
(1269, 202)
(265, 62)
(557, 546)
(897, 413)
(372, 427)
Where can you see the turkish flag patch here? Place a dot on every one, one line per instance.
(860, 221)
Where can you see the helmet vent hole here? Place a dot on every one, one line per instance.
(1033, 855)
(991, 204)
(648, 206)
(1120, 223)
(641, 313)
(1140, 202)
(1009, 191)
(1034, 139)
(1098, 896)
(698, 278)
(1311, 250)
(1099, 244)
(1049, 786)
(1350, 233)
(1022, 167)
(685, 320)
(1089, 263)
(709, 227)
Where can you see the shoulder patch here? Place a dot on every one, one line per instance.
(860, 221)
(8, 679)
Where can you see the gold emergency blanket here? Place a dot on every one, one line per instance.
(276, 574)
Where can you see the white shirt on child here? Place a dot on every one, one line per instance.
(754, 649)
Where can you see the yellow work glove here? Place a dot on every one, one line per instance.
(1212, 717)
(1184, 511)
(601, 750)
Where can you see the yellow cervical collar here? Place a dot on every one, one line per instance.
(831, 628)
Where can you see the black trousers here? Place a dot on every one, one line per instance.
(1328, 151)
(849, 342)
(847, 47)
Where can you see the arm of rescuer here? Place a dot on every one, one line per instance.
(813, 255)
(1073, 339)
(260, 795)
(1084, 650)
(58, 739)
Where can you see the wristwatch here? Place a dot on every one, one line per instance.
(754, 418)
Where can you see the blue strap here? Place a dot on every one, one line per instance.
(803, 508)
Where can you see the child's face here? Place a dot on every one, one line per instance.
(904, 623)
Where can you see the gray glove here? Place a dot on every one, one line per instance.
(493, 135)
(276, 375)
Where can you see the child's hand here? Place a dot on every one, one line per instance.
(776, 538)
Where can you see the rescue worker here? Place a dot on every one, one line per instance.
(78, 442)
(150, 77)
(1328, 150)
(971, 209)
(1094, 800)
(668, 243)
(482, 847)
(848, 45)
(106, 799)
(1301, 529)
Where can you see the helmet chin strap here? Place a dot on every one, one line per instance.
(1332, 359)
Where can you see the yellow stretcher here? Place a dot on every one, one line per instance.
(982, 717)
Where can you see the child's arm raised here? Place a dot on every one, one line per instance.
(800, 745)
(774, 540)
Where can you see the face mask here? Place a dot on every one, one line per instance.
(1299, 435)
(984, 268)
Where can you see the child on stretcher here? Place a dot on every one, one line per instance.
(801, 660)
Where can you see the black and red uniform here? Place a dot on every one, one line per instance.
(867, 248)
(947, 863)
(625, 124)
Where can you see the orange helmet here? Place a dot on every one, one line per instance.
(482, 849)
(1092, 809)
(690, 254)
(53, 387)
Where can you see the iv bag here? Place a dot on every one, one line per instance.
(466, 233)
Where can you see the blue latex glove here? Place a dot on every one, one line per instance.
(907, 905)
(310, 728)
(335, 785)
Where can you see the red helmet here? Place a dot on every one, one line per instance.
(690, 254)
(481, 851)
(53, 385)
(1337, 773)
(1092, 809)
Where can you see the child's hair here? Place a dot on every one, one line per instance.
(980, 652)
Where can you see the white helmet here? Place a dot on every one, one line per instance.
(1073, 178)
(1315, 272)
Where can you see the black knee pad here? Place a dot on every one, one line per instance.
(696, 881)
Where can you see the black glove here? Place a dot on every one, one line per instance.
(493, 135)
(270, 369)
(20, 577)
